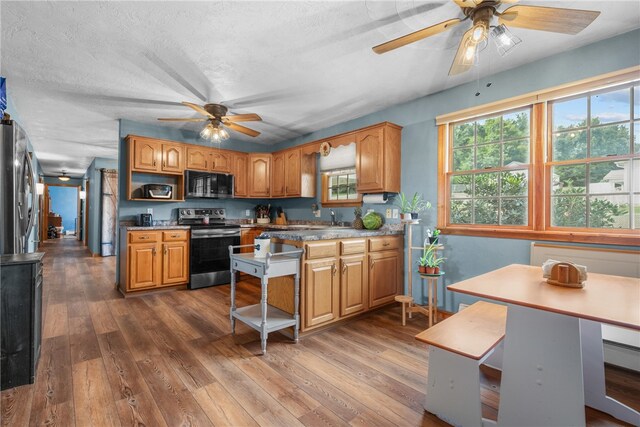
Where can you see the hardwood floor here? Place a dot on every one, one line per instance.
(169, 360)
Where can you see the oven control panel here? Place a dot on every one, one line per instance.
(201, 213)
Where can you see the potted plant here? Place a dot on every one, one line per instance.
(263, 213)
(436, 263)
(410, 208)
(425, 261)
(433, 236)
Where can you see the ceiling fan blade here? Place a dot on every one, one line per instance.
(242, 118)
(182, 120)
(198, 108)
(467, 3)
(459, 66)
(242, 129)
(557, 20)
(416, 36)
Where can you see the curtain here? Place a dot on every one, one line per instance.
(109, 208)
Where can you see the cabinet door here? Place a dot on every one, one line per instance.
(385, 277)
(146, 155)
(143, 265)
(278, 175)
(369, 160)
(173, 158)
(292, 177)
(240, 174)
(175, 262)
(321, 292)
(220, 161)
(353, 285)
(259, 175)
(197, 159)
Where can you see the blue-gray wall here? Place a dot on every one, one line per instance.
(64, 202)
(466, 256)
(93, 177)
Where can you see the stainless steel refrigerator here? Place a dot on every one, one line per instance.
(18, 198)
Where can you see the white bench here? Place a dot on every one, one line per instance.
(457, 347)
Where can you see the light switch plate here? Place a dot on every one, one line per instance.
(317, 213)
(388, 213)
(395, 213)
(247, 212)
(150, 211)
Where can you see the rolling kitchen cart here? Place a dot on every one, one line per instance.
(264, 317)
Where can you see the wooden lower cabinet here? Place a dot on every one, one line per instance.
(353, 285)
(321, 292)
(175, 263)
(154, 259)
(385, 276)
(143, 265)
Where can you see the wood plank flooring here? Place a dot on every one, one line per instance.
(169, 360)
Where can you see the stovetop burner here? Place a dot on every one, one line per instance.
(198, 217)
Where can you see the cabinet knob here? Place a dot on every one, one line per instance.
(175, 235)
(154, 251)
(165, 251)
(371, 264)
(164, 164)
(344, 268)
(144, 237)
(333, 269)
(386, 244)
(154, 163)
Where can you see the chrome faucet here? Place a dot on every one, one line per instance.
(333, 217)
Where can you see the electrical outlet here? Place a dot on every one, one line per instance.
(395, 214)
(247, 212)
(150, 211)
(388, 213)
(317, 213)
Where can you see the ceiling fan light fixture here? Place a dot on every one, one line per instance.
(479, 32)
(215, 133)
(469, 54)
(503, 38)
(63, 177)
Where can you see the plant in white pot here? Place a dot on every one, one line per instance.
(410, 208)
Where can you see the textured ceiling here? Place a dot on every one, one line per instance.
(74, 68)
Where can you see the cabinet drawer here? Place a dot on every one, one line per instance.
(174, 235)
(352, 246)
(143, 237)
(321, 250)
(385, 243)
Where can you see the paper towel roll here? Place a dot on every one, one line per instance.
(374, 198)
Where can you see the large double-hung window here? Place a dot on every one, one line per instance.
(562, 165)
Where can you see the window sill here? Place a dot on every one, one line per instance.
(341, 204)
(631, 238)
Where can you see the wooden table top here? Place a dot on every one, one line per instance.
(604, 298)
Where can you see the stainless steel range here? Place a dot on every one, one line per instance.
(210, 241)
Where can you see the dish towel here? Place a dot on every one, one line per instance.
(548, 265)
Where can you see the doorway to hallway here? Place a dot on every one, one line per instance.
(62, 215)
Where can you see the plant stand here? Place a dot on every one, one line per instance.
(408, 305)
(264, 317)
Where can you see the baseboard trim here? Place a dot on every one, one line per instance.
(621, 355)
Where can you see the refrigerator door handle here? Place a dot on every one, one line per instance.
(34, 202)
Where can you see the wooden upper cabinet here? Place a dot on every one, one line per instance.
(197, 158)
(220, 161)
(378, 154)
(147, 155)
(240, 174)
(259, 175)
(278, 175)
(173, 158)
(293, 177)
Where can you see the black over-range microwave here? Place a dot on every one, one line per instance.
(208, 185)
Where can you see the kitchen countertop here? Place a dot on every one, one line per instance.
(28, 258)
(330, 233)
(155, 227)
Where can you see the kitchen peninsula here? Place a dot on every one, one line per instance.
(345, 272)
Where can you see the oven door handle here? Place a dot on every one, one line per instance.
(213, 236)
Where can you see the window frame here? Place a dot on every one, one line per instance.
(540, 166)
(325, 201)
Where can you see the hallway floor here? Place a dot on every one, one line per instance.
(169, 360)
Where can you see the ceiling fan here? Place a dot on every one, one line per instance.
(216, 116)
(482, 12)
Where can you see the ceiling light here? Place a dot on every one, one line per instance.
(479, 32)
(214, 132)
(63, 177)
(469, 54)
(504, 39)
